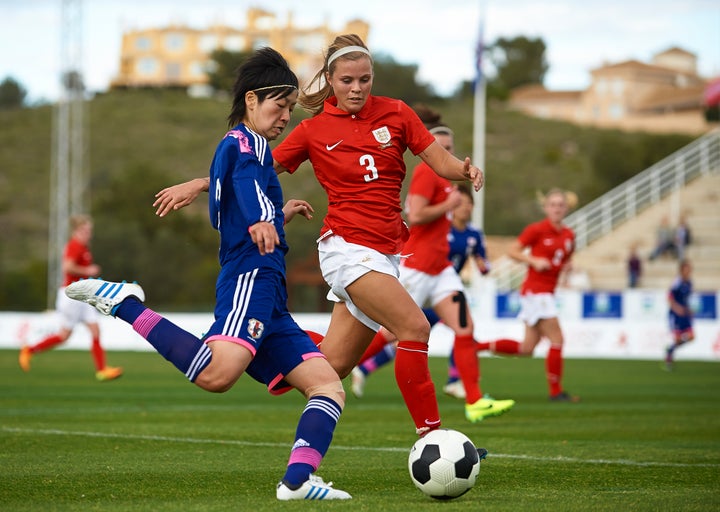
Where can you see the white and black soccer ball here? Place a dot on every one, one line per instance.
(444, 464)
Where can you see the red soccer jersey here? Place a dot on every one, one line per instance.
(428, 245)
(358, 160)
(79, 253)
(547, 242)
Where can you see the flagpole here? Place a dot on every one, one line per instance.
(478, 216)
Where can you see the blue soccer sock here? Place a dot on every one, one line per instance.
(380, 359)
(187, 352)
(312, 439)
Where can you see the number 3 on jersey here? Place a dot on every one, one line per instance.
(368, 162)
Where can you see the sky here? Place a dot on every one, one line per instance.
(437, 35)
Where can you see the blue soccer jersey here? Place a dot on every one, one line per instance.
(680, 292)
(464, 244)
(251, 298)
(244, 189)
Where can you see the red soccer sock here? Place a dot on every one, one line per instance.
(501, 346)
(98, 354)
(376, 345)
(554, 369)
(416, 385)
(468, 366)
(46, 344)
(506, 346)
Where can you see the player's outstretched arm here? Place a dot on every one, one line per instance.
(178, 196)
(297, 206)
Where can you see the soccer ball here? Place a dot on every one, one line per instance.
(444, 464)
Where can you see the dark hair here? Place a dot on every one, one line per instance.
(463, 188)
(432, 119)
(265, 72)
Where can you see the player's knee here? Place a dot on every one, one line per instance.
(215, 383)
(415, 329)
(333, 390)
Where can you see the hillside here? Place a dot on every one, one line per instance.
(141, 141)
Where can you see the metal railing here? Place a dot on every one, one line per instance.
(601, 216)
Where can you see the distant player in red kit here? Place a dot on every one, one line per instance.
(77, 263)
(546, 246)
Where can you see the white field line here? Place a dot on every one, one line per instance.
(575, 460)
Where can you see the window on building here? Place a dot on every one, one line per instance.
(197, 68)
(173, 71)
(234, 43)
(174, 41)
(208, 43)
(143, 43)
(601, 86)
(309, 43)
(147, 66)
(616, 111)
(618, 86)
(259, 42)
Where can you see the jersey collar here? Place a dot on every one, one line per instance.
(332, 108)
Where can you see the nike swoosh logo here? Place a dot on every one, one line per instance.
(330, 148)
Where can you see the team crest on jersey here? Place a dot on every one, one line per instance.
(255, 328)
(382, 135)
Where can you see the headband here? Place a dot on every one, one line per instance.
(274, 87)
(345, 51)
(443, 130)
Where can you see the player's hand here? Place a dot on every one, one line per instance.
(473, 174)
(178, 196)
(540, 264)
(265, 236)
(453, 199)
(297, 206)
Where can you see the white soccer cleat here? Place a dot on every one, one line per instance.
(357, 385)
(455, 389)
(312, 489)
(104, 295)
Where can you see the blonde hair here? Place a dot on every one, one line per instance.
(571, 198)
(314, 102)
(79, 220)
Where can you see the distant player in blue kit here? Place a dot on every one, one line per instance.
(680, 314)
(253, 331)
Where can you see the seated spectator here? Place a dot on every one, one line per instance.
(682, 238)
(665, 240)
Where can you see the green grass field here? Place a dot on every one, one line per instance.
(641, 439)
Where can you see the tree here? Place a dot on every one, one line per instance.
(517, 61)
(224, 67)
(12, 94)
(399, 81)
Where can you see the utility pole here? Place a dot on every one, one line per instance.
(67, 173)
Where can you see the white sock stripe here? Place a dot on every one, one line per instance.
(413, 350)
(198, 361)
(329, 409)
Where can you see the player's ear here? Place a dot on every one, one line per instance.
(251, 100)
